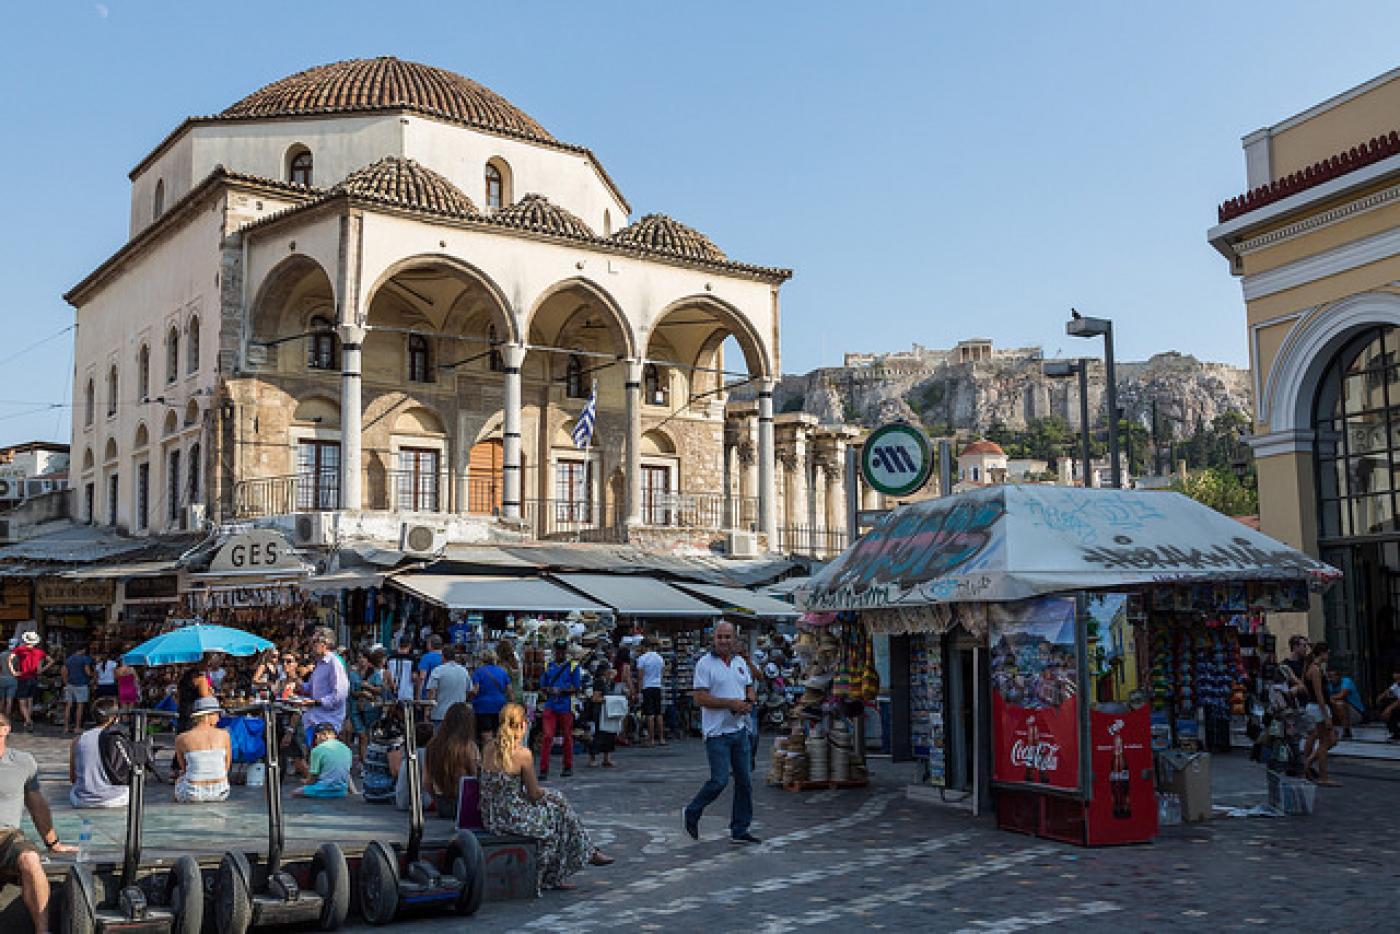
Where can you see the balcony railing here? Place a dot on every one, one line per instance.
(812, 541)
(308, 491)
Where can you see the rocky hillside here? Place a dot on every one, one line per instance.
(1009, 388)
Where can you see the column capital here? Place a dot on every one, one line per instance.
(512, 356)
(632, 370)
(352, 335)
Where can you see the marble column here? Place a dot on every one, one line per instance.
(513, 356)
(632, 468)
(352, 340)
(767, 489)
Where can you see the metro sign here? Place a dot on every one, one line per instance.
(896, 460)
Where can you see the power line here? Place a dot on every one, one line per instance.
(43, 340)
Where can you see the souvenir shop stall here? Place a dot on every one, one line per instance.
(254, 581)
(1056, 637)
(72, 612)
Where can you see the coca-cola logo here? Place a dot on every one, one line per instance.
(1044, 757)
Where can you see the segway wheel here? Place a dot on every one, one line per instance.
(331, 877)
(186, 896)
(379, 884)
(233, 896)
(78, 911)
(467, 862)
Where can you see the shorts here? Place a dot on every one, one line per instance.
(7, 689)
(13, 845)
(487, 723)
(1313, 717)
(26, 688)
(651, 702)
(325, 790)
(107, 690)
(77, 694)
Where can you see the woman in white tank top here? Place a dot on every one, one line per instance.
(203, 755)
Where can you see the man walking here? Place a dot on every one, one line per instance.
(724, 690)
(400, 667)
(19, 789)
(78, 671)
(560, 682)
(651, 668)
(328, 688)
(27, 663)
(450, 683)
(430, 660)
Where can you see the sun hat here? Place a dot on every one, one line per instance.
(29, 637)
(204, 706)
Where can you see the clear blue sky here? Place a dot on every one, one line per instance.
(931, 171)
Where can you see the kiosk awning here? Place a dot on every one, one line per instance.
(495, 594)
(743, 602)
(634, 595)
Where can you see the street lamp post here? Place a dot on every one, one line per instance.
(1084, 326)
(1059, 369)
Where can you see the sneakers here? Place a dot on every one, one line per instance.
(745, 838)
(692, 826)
(567, 772)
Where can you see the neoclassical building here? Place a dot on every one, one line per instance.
(1315, 242)
(377, 288)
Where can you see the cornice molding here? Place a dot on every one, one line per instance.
(1319, 221)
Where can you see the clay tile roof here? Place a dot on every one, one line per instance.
(404, 183)
(387, 83)
(983, 447)
(536, 212)
(665, 235)
(1368, 153)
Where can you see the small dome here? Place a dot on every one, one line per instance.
(537, 213)
(664, 235)
(387, 83)
(405, 183)
(983, 447)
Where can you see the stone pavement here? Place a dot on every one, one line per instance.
(873, 858)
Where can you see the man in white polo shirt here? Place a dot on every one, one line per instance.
(724, 690)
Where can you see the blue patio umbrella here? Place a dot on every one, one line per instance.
(190, 644)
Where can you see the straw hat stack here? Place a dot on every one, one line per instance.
(818, 760)
(842, 746)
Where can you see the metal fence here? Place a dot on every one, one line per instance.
(308, 491)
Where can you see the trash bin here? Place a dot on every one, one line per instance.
(1186, 775)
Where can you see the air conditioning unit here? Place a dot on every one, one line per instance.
(193, 518)
(39, 487)
(743, 544)
(422, 541)
(11, 484)
(315, 529)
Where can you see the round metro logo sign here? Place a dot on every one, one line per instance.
(896, 460)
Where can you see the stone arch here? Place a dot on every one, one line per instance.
(1286, 402)
(418, 421)
(87, 459)
(191, 413)
(729, 318)
(142, 437)
(278, 286)
(503, 315)
(657, 442)
(614, 312)
(318, 410)
(110, 453)
(171, 424)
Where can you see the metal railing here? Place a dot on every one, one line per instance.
(560, 518)
(811, 541)
(307, 491)
(699, 510)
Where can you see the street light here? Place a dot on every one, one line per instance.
(1082, 326)
(1061, 369)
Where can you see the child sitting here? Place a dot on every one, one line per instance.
(330, 766)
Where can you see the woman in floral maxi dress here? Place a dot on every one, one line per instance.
(512, 802)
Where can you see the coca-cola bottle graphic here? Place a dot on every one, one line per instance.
(1118, 781)
(1032, 749)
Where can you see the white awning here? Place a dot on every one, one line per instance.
(741, 601)
(634, 595)
(495, 594)
(114, 571)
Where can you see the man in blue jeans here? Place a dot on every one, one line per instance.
(724, 690)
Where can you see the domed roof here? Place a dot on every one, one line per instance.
(538, 213)
(666, 235)
(369, 84)
(983, 447)
(405, 183)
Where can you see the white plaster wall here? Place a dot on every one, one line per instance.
(174, 167)
(338, 145)
(566, 178)
(317, 238)
(171, 281)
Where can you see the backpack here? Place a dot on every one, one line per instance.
(119, 753)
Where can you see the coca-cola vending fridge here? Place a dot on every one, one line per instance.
(1072, 756)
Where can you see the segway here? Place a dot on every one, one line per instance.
(274, 896)
(391, 882)
(160, 901)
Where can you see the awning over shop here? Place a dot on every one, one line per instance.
(495, 594)
(741, 601)
(117, 571)
(1013, 542)
(634, 595)
(349, 579)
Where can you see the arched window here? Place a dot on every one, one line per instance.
(192, 485)
(158, 200)
(172, 354)
(573, 378)
(494, 360)
(173, 476)
(192, 346)
(143, 373)
(299, 168)
(654, 385)
(418, 370)
(320, 349)
(112, 391)
(89, 403)
(495, 187)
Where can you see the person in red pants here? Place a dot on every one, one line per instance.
(559, 683)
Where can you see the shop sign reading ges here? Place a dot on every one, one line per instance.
(896, 460)
(256, 550)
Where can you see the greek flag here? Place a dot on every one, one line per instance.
(583, 431)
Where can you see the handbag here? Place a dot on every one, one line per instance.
(469, 804)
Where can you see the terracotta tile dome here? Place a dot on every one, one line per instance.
(404, 183)
(666, 235)
(983, 447)
(370, 84)
(538, 213)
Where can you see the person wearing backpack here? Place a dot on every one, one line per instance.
(94, 783)
(27, 662)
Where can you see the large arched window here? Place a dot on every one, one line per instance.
(573, 378)
(158, 200)
(419, 370)
(173, 478)
(112, 391)
(193, 485)
(172, 354)
(143, 373)
(89, 403)
(299, 166)
(494, 360)
(320, 346)
(495, 187)
(192, 345)
(654, 385)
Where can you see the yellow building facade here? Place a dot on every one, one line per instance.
(1315, 243)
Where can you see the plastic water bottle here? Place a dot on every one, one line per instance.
(85, 840)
